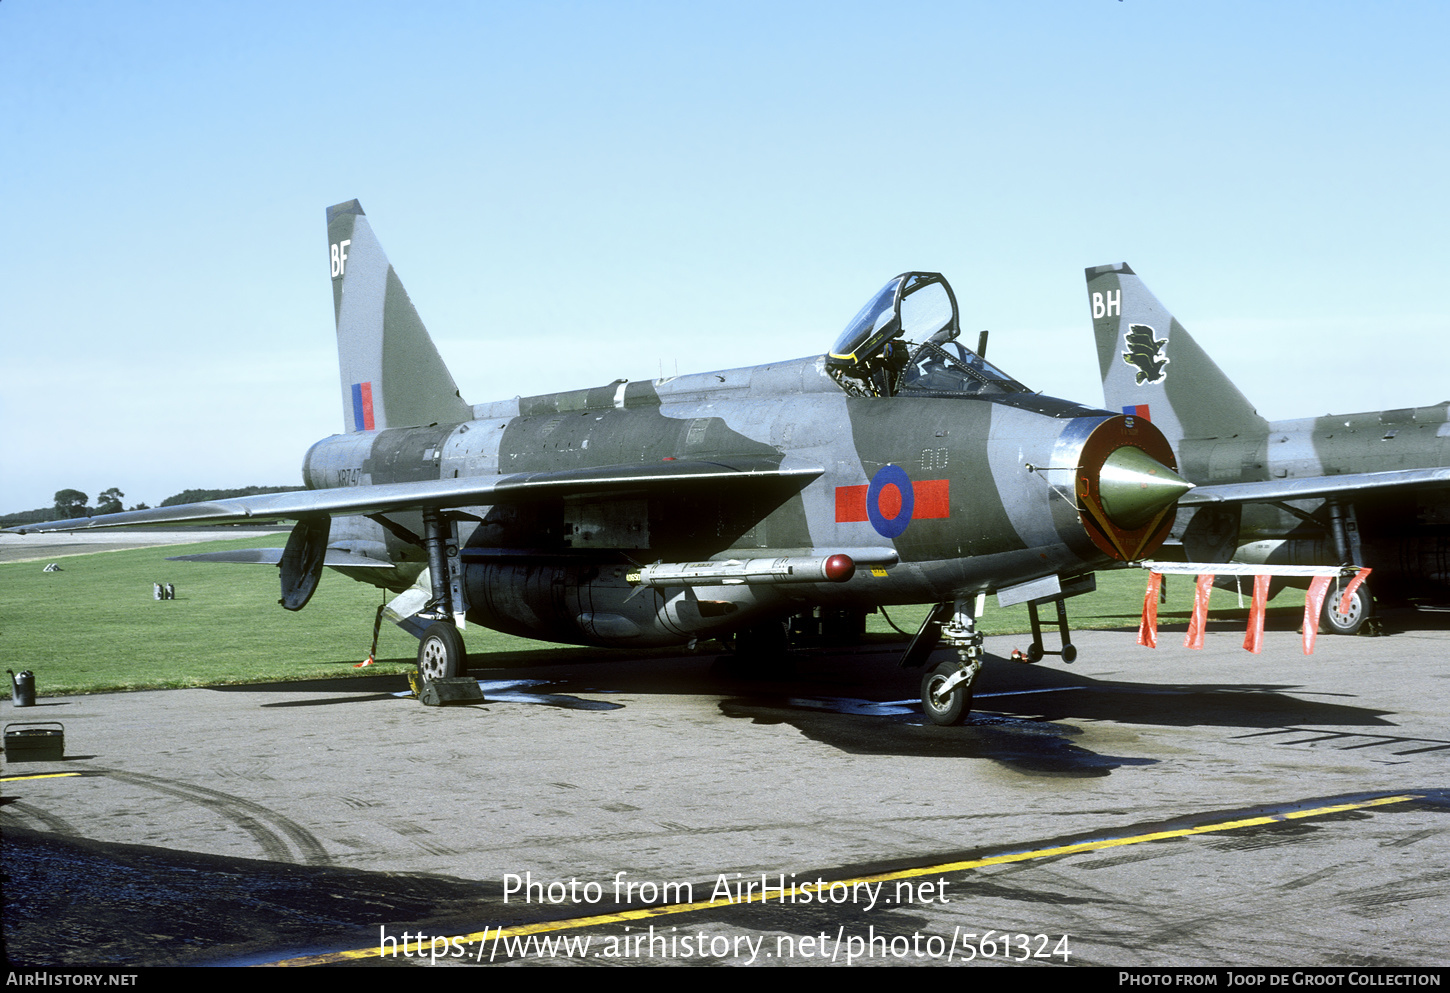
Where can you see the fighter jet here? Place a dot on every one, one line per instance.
(896, 467)
(1367, 489)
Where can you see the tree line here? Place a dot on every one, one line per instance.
(73, 503)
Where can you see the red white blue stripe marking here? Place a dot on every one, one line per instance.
(362, 406)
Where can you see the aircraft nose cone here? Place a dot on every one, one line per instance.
(1134, 487)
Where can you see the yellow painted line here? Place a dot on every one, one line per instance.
(37, 775)
(785, 895)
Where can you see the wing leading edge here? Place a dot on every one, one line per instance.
(683, 474)
(1314, 486)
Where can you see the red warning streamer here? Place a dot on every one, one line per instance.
(1148, 627)
(1196, 623)
(1254, 637)
(1313, 603)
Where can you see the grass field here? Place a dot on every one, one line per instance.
(94, 627)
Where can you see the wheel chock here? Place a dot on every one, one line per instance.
(457, 689)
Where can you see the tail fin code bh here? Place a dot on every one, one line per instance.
(1152, 367)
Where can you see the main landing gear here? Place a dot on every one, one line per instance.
(1344, 531)
(1335, 621)
(441, 654)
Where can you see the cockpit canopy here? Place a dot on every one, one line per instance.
(904, 342)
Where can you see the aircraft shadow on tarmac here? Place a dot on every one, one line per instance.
(860, 702)
(1028, 746)
(1015, 712)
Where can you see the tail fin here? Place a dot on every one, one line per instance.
(392, 376)
(1153, 368)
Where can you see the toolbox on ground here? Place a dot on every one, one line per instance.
(35, 741)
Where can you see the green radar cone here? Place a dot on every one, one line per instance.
(1134, 487)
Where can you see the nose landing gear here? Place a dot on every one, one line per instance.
(946, 691)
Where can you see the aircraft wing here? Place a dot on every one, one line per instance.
(1309, 487)
(685, 475)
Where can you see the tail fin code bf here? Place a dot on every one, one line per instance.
(392, 375)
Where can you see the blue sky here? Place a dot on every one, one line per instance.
(575, 192)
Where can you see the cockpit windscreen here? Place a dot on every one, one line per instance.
(949, 367)
(904, 342)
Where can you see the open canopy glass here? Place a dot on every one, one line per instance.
(904, 342)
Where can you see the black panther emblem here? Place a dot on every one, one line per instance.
(1145, 353)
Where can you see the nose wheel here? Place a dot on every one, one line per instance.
(946, 692)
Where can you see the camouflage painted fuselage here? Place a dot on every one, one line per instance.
(1404, 534)
(943, 483)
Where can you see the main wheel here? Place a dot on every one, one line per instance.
(441, 654)
(948, 709)
(1361, 605)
